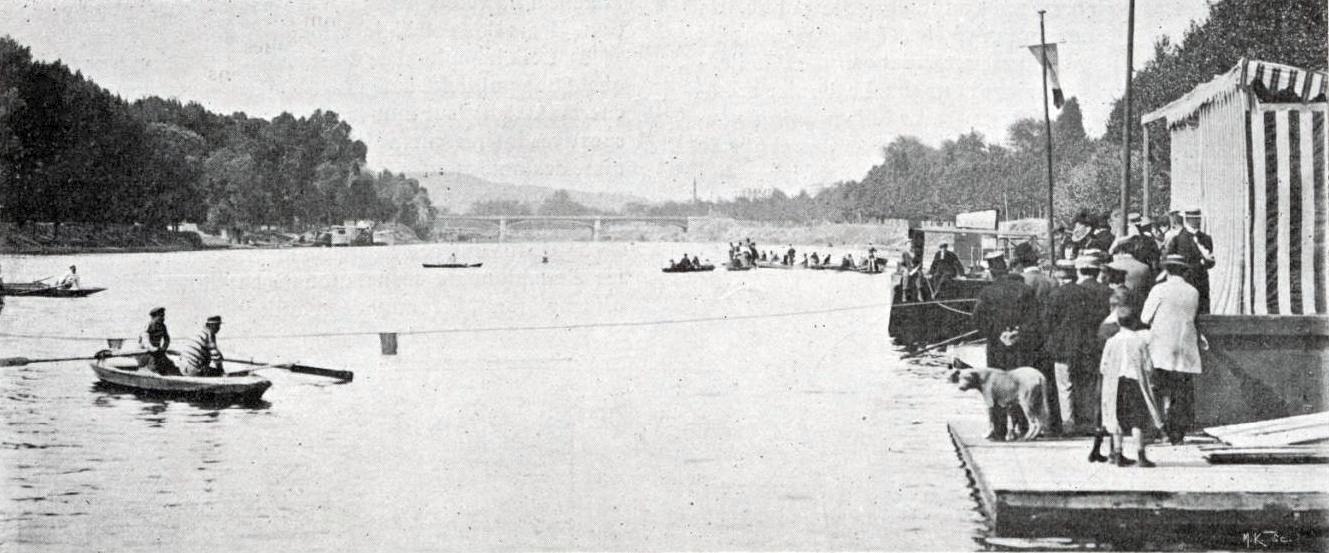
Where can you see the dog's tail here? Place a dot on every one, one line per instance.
(1041, 404)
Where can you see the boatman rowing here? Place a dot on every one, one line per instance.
(156, 340)
(200, 356)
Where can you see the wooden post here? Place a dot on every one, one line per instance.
(1047, 120)
(1144, 194)
(387, 342)
(1126, 119)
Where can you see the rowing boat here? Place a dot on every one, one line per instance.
(451, 265)
(129, 373)
(698, 269)
(37, 289)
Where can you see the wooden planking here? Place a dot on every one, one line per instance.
(1299, 421)
(1296, 454)
(1276, 432)
(1048, 488)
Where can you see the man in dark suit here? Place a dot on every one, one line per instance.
(1072, 315)
(1198, 250)
(1026, 265)
(1139, 242)
(945, 266)
(1006, 316)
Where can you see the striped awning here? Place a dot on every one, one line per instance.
(1267, 81)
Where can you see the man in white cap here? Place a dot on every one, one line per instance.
(1174, 344)
(995, 261)
(1197, 248)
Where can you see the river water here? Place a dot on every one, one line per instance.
(758, 410)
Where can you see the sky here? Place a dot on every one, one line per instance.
(636, 97)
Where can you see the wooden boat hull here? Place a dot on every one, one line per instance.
(701, 269)
(451, 265)
(38, 290)
(221, 388)
(918, 323)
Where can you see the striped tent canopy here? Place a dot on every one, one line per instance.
(1261, 80)
(1248, 149)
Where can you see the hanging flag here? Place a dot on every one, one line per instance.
(1051, 50)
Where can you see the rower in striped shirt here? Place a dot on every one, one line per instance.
(200, 356)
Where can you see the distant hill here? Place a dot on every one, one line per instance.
(457, 191)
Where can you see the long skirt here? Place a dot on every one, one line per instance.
(1132, 410)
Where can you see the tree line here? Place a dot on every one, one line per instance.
(72, 151)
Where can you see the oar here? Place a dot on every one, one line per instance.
(21, 361)
(939, 344)
(295, 368)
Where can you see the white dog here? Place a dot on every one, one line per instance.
(1003, 390)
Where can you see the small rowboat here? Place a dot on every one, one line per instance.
(700, 269)
(128, 373)
(451, 265)
(37, 289)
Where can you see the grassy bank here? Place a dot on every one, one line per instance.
(47, 238)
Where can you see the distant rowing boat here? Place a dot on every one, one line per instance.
(37, 289)
(700, 269)
(451, 265)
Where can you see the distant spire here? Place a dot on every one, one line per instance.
(694, 191)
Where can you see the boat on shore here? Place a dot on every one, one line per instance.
(452, 265)
(691, 269)
(37, 289)
(128, 373)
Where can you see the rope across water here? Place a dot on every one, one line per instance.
(461, 330)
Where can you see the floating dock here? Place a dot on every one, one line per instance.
(1047, 488)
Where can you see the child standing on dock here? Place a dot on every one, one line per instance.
(1127, 394)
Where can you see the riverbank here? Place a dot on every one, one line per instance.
(88, 238)
(75, 238)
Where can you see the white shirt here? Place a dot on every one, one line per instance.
(70, 280)
(1170, 311)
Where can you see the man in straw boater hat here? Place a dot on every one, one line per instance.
(1175, 344)
(200, 355)
(1072, 317)
(1197, 248)
(1006, 316)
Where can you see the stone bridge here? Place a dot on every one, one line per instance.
(592, 222)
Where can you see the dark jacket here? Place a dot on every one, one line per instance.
(947, 265)
(1071, 320)
(1008, 303)
(1101, 239)
(1188, 245)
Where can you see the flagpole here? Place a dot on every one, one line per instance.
(1126, 120)
(1047, 123)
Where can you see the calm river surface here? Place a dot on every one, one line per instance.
(791, 432)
